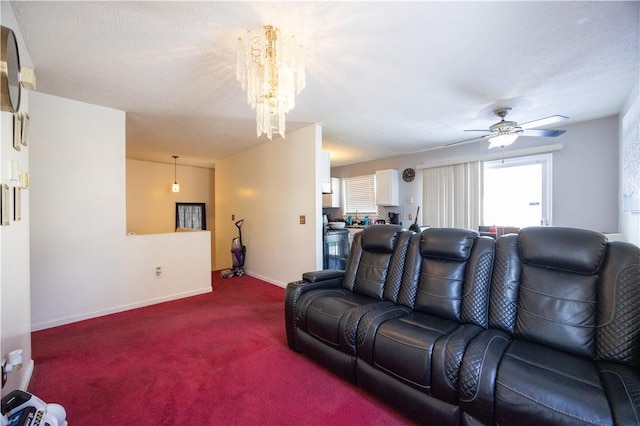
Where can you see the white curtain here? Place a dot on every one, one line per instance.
(453, 195)
(190, 216)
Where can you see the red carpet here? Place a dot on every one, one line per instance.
(219, 358)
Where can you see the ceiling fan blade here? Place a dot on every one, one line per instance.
(477, 130)
(477, 138)
(544, 121)
(543, 132)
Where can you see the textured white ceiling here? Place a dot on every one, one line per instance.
(383, 78)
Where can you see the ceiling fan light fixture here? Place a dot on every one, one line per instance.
(504, 133)
(270, 68)
(502, 140)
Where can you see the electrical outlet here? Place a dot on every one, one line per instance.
(233, 217)
(410, 216)
(158, 271)
(303, 219)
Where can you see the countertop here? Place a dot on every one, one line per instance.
(365, 226)
(422, 228)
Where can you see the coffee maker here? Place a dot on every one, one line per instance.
(393, 218)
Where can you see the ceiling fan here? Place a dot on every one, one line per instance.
(504, 132)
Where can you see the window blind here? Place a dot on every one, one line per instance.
(360, 194)
(453, 195)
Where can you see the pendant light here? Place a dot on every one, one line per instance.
(175, 187)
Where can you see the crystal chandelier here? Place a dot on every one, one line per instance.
(271, 70)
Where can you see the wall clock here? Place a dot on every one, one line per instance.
(10, 67)
(408, 175)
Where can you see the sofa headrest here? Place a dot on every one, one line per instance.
(570, 249)
(447, 243)
(380, 238)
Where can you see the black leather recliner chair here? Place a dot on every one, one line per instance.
(323, 310)
(410, 356)
(564, 340)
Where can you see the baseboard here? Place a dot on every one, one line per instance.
(121, 308)
(269, 280)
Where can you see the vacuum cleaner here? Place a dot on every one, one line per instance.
(238, 252)
(21, 408)
(415, 228)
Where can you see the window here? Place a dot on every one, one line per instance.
(360, 195)
(191, 216)
(517, 191)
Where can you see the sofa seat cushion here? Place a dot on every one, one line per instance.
(539, 385)
(334, 319)
(404, 347)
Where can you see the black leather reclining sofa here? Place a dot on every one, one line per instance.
(538, 327)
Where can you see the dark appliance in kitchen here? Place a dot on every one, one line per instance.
(393, 218)
(335, 248)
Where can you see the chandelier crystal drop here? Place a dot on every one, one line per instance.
(271, 70)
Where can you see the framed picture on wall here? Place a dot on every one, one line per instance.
(25, 129)
(190, 216)
(17, 131)
(17, 203)
(24, 179)
(4, 210)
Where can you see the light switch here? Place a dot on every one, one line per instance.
(410, 216)
(303, 219)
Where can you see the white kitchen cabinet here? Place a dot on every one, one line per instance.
(387, 187)
(325, 171)
(332, 200)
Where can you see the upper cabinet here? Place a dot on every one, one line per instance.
(332, 200)
(387, 187)
(325, 172)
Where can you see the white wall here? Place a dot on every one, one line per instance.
(585, 177)
(82, 263)
(269, 187)
(15, 321)
(630, 221)
(585, 173)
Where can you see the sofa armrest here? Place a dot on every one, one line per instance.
(295, 289)
(368, 327)
(323, 275)
(622, 386)
(446, 360)
(478, 371)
